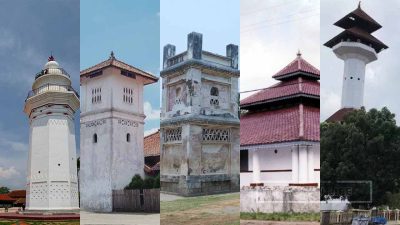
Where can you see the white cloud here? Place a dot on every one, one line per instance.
(151, 114)
(7, 173)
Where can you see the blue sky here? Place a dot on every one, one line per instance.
(217, 20)
(130, 28)
(29, 32)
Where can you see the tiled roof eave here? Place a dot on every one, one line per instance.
(279, 99)
(297, 73)
(291, 142)
(110, 63)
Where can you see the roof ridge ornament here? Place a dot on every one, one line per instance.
(298, 53)
(359, 4)
(112, 56)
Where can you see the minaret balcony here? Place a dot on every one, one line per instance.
(58, 71)
(51, 88)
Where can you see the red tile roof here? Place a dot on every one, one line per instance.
(17, 194)
(6, 198)
(280, 125)
(339, 115)
(112, 61)
(284, 89)
(152, 144)
(297, 65)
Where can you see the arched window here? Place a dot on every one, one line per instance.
(214, 91)
(128, 137)
(94, 138)
(178, 92)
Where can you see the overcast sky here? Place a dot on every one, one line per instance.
(382, 76)
(29, 32)
(271, 33)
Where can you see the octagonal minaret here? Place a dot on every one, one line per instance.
(52, 182)
(356, 47)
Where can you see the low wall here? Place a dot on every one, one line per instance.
(279, 199)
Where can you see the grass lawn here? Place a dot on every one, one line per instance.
(280, 216)
(37, 222)
(222, 209)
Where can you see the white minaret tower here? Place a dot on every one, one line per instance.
(112, 130)
(52, 169)
(356, 47)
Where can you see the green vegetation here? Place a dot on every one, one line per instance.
(148, 183)
(299, 217)
(365, 146)
(4, 190)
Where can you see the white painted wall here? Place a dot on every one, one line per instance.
(355, 56)
(282, 160)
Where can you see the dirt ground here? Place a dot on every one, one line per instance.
(254, 222)
(222, 209)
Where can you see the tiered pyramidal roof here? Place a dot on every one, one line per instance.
(298, 78)
(286, 111)
(358, 27)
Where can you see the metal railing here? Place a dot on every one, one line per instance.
(51, 87)
(52, 71)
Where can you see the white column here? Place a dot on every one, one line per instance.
(256, 167)
(295, 164)
(303, 164)
(353, 82)
(310, 163)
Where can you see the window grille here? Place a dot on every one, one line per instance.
(216, 135)
(172, 135)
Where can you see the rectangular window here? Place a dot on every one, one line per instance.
(244, 160)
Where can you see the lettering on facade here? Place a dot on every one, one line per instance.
(95, 123)
(128, 123)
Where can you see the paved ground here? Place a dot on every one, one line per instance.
(254, 222)
(88, 218)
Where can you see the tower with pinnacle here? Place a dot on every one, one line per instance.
(52, 167)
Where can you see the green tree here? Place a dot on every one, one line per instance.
(4, 190)
(156, 183)
(365, 146)
(148, 183)
(136, 182)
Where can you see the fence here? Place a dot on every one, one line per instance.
(345, 218)
(145, 200)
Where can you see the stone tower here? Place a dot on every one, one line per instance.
(52, 168)
(199, 120)
(356, 47)
(112, 120)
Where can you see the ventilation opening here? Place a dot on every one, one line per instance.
(95, 138)
(128, 137)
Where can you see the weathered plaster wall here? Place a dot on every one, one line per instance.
(204, 157)
(279, 199)
(110, 163)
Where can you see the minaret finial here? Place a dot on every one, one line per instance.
(112, 56)
(51, 58)
(298, 53)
